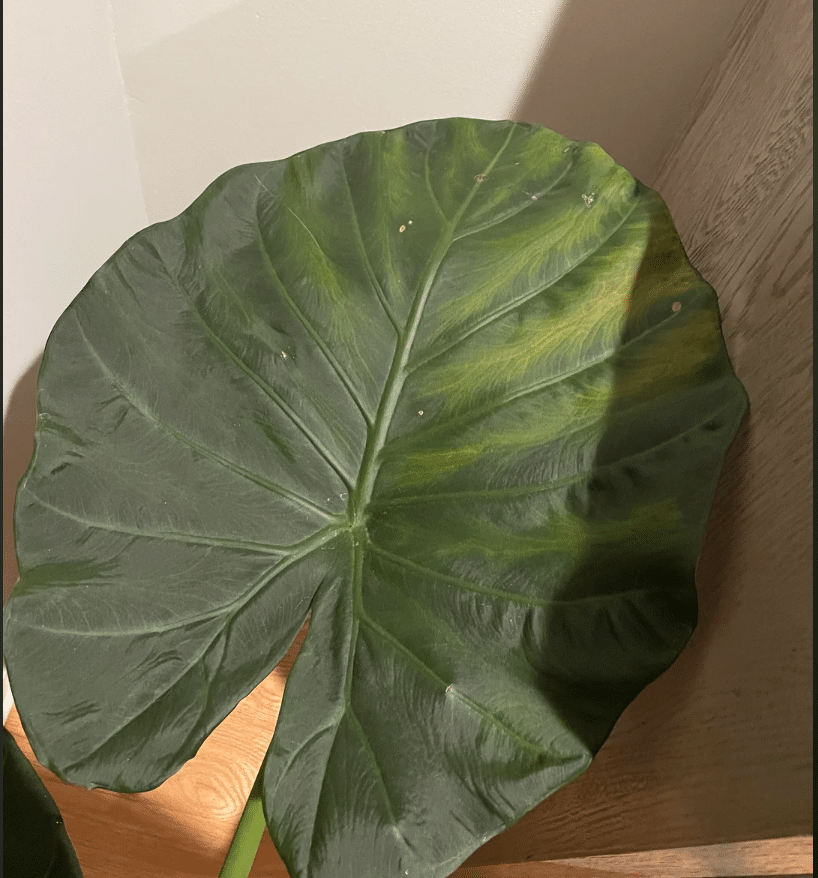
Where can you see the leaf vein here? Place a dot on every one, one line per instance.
(517, 302)
(429, 187)
(517, 209)
(494, 406)
(260, 382)
(171, 536)
(441, 683)
(397, 372)
(186, 669)
(381, 781)
(367, 262)
(127, 395)
(227, 609)
(512, 597)
(302, 318)
(521, 490)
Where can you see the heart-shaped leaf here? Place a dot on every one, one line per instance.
(455, 390)
(35, 843)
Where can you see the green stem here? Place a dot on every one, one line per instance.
(244, 847)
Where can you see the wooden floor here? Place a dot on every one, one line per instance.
(709, 772)
(183, 828)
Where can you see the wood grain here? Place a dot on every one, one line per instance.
(790, 856)
(719, 750)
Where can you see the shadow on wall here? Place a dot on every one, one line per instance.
(611, 73)
(18, 445)
(227, 88)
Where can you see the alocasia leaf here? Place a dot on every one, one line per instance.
(454, 390)
(35, 843)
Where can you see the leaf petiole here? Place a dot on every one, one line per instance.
(247, 838)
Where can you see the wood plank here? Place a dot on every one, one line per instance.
(160, 832)
(776, 856)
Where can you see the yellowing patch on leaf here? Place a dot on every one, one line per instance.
(517, 261)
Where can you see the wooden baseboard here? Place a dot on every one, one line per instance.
(790, 856)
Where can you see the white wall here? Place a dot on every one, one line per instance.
(71, 196)
(260, 80)
(214, 83)
(71, 191)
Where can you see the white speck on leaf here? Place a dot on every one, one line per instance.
(588, 199)
(533, 197)
(284, 354)
(402, 229)
(410, 222)
(420, 411)
(449, 689)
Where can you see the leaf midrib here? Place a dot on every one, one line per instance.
(369, 468)
(398, 372)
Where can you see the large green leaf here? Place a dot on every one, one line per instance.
(35, 843)
(454, 390)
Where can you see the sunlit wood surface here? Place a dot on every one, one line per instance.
(183, 828)
(709, 772)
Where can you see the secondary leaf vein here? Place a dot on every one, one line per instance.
(304, 320)
(512, 597)
(517, 209)
(367, 262)
(500, 402)
(491, 718)
(518, 301)
(269, 391)
(228, 609)
(171, 536)
(127, 395)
